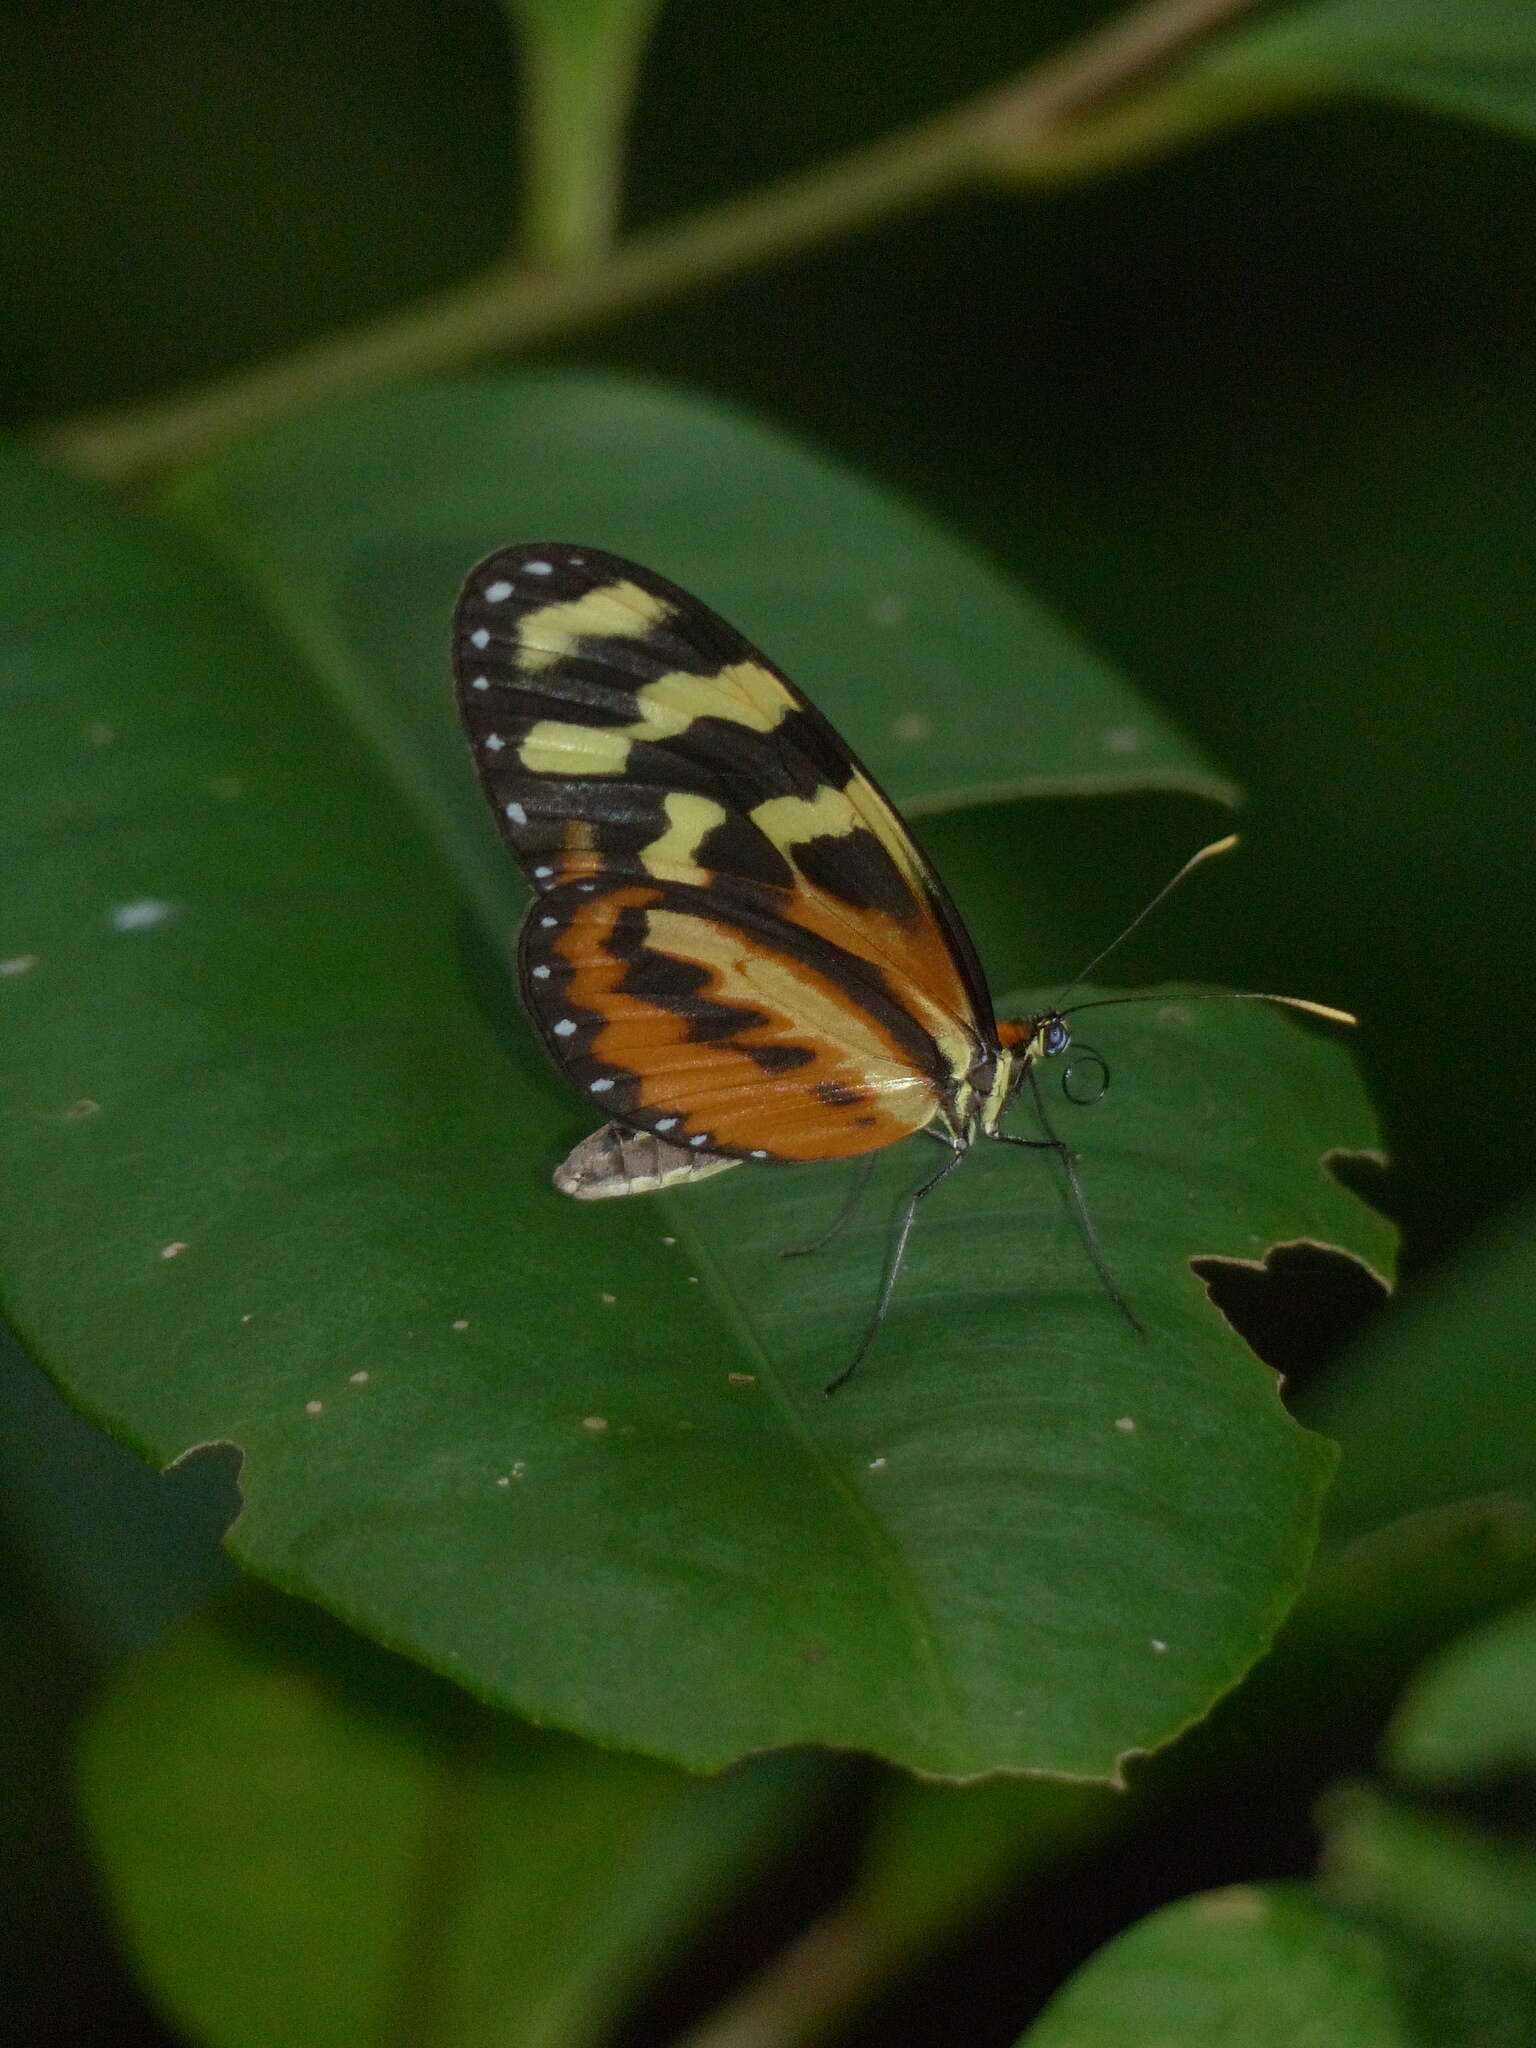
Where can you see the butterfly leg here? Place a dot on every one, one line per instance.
(1051, 1143)
(893, 1267)
(844, 1215)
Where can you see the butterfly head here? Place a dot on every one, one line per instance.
(1048, 1036)
(1025, 1039)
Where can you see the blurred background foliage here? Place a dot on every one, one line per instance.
(1254, 415)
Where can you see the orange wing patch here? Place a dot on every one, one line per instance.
(679, 1022)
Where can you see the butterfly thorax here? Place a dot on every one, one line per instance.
(976, 1105)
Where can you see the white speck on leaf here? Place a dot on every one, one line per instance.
(596, 1423)
(608, 1299)
(1159, 1647)
(1125, 1422)
(23, 963)
(888, 609)
(357, 1379)
(461, 1322)
(314, 1407)
(913, 727)
(141, 915)
(174, 1250)
(1122, 739)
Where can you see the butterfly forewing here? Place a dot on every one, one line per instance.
(737, 945)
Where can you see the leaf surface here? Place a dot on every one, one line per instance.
(307, 1840)
(1255, 1966)
(1476, 60)
(287, 1146)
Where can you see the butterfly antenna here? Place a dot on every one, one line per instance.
(1206, 853)
(1221, 995)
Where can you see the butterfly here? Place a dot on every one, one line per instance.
(735, 948)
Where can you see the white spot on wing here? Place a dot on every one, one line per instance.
(701, 1139)
(139, 916)
(602, 1085)
(758, 1154)
(541, 973)
(539, 568)
(481, 683)
(542, 874)
(547, 922)
(480, 637)
(565, 1028)
(494, 743)
(497, 593)
(666, 1123)
(517, 814)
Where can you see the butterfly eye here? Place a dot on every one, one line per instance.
(1055, 1038)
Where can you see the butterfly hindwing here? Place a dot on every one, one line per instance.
(736, 1033)
(737, 944)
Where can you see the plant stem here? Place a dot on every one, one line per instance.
(579, 67)
(1039, 125)
(834, 1967)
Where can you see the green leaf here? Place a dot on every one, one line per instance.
(1475, 60)
(306, 1840)
(287, 1146)
(580, 60)
(1470, 1713)
(1429, 1405)
(1256, 1966)
(1433, 1875)
(357, 526)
